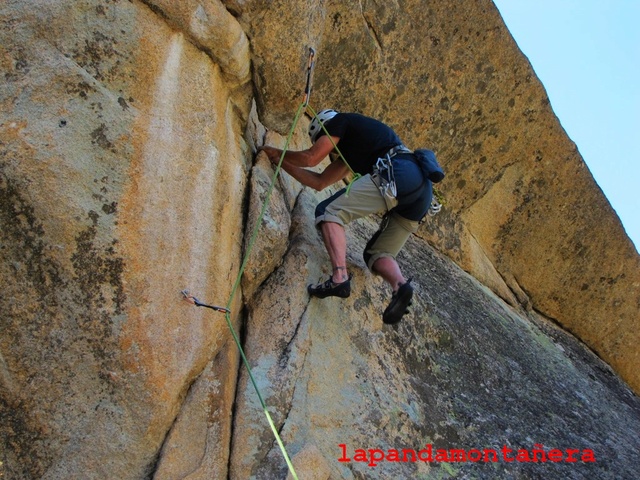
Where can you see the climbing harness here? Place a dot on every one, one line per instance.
(384, 179)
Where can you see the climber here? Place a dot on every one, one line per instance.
(391, 182)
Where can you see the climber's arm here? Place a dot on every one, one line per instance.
(295, 161)
(317, 180)
(304, 158)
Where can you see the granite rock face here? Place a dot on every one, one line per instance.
(522, 213)
(128, 133)
(465, 372)
(123, 178)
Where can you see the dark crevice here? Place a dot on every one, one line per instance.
(153, 466)
(286, 351)
(242, 336)
(374, 33)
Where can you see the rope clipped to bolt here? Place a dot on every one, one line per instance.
(227, 310)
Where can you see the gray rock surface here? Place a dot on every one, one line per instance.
(464, 371)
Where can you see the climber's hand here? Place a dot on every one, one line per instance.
(273, 154)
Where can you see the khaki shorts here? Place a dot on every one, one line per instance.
(365, 199)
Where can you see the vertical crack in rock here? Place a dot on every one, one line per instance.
(153, 468)
(294, 384)
(374, 33)
(286, 351)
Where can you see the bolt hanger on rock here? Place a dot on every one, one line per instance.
(194, 301)
(307, 88)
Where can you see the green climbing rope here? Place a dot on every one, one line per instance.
(304, 105)
(355, 176)
(237, 284)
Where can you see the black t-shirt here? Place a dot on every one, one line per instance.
(362, 139)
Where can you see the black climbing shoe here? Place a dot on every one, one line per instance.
(330, 289)
(400, 302)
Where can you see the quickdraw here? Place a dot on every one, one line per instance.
(236, 285)
(194, 301)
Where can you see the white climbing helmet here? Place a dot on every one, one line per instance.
(315, 127)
